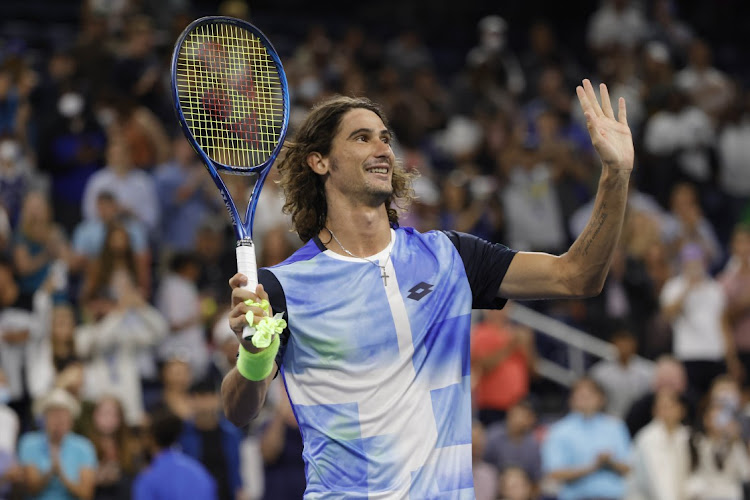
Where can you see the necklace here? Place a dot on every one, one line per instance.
(383, 274)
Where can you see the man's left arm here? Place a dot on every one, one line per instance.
(581, 271)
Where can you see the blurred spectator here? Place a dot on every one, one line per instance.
(271, 205)
(93, 51)
(176, 379)
(502, 357)
(719, 458)
(462, 210)
(679, 139)
(172, 475)
(117, 451)
(113, 275)
(696, 305)
(616, 25)
(735, 278)
(217, 259)
(134, 189)
(531, 205)
(225, 346)
(707, 87)
(686, 224)
(212, 440)
(90, 235)
(57, 462)
(281, 448)
(187, 196)
(625, 378)
(407, 53)
(545, 50)
(516, 485)
(62, 326)
(514, 443)
(733, 148)
(666, 28)
(38, 243)
(587, 451)
(11, 473)
(494, 49)
(179, 302)
(661, 461)
(17, 176)
(485, 473)
(112, 347)
(275, 247)
(669, 375)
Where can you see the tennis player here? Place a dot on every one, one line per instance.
(375, 356)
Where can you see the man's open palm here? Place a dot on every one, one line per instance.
(610, 136)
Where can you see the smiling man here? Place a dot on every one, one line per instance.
(376, 353)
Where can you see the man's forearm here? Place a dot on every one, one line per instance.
(569, 475)
(243, 398)
(590, 255)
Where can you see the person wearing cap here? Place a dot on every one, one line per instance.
(58, 464)
(695, 304)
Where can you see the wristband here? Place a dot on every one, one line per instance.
(257, 366)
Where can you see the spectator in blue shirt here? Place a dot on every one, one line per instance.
(172, 474)
(58, 464)
(587, 451)
(212, 440)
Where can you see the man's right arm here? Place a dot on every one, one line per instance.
(242, 398)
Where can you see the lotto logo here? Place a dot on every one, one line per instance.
(419, 291)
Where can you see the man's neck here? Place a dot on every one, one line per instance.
(362, 230)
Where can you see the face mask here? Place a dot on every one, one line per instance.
(4, 395)
(70, 105)
(9, 150)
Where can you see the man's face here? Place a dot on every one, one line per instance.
(57, 422)
(360, 164)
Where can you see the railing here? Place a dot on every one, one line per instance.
(578, 343)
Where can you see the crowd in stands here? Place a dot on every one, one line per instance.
(116, 249)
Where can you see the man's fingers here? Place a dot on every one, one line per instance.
(606, 103)
(622, 114)
(261, 292)
(238, 280)
(591, 96)
(242, 294)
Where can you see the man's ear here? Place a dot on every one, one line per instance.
(317, 163)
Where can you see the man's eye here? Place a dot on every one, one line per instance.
(386, 139)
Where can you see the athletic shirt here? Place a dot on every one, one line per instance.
(378, 374)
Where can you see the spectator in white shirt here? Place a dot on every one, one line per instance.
(708, 88)
(696, 305)
(661, 463)
(616, 24)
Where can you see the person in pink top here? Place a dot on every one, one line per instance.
(735, 278)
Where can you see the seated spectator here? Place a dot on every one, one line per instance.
(172, 475)
(686, 224)
(719, 458)
(57, 462)
(175, 379)
(625, 378)
(513, 443)
(695, 304)
(661, 462)
(587, 451)
(735, 279)
(11, 473)
(179, 301)
(485, 474)
(502, 356)
(212, 440)
(281, 449)
(669, 375)
(225, 346)
(117, 451)
(516, 485)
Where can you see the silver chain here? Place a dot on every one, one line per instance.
(382, 268)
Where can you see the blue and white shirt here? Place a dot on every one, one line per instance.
(378, 372)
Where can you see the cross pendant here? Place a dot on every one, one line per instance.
(384, 276)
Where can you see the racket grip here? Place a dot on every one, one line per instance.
(246, 265)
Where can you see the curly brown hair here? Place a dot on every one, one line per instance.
(303, 188)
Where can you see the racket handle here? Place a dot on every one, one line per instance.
(246, 265)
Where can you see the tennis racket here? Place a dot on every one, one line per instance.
(232, 101)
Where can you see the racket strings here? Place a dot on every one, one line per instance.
(230, 93)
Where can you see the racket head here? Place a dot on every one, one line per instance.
(232, 102)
